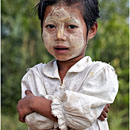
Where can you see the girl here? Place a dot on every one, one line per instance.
(71, 91)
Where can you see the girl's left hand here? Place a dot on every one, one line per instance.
(104, 113)
(24, 106)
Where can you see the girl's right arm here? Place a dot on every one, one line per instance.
(32, 81)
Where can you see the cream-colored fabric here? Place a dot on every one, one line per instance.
(77, 103)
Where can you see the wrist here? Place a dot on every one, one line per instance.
(33, 103)
(37, 102)
(42, 106)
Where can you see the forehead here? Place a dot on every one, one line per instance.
(62, 12)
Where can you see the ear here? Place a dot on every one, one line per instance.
(92, 31)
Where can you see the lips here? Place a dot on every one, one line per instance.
(61, 49)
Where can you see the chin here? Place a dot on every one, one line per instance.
(62, 59)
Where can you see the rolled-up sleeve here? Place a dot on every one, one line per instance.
(79, 110)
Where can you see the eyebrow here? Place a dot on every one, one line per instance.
(74, 21)
(67, 20)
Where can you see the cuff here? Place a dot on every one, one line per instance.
(57, 111)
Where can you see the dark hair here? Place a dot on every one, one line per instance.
(90, 9)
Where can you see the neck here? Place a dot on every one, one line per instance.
(64, 66)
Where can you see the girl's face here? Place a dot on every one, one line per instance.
(64, 32)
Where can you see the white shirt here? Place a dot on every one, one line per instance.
(78, 102)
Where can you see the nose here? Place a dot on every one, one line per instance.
(60, 34)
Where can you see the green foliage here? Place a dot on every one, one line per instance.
(12, 123)
(112, 46)
(22, 47)
(119, 122)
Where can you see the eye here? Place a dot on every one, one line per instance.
(50, 26)
(72, 26)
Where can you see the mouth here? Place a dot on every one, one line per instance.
(61, 49)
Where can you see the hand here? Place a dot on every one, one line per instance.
(104, 113)
(32, 103)
(24, 106)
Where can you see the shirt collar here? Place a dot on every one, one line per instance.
(80, 65)
(51, 68)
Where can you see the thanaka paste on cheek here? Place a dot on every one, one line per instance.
(75, 41)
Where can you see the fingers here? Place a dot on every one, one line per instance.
(28, 92)
(23, 106)
(21, 118)
(101, 118)
(106, 108)
(21, 110)
(108, 105)
(104, 113)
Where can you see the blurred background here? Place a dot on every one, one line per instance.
(22, 47)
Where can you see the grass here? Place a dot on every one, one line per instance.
(118, 122)
(12, 123)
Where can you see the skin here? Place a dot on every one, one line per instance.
(63, 34)
(62, 29)
(41, 105)
(32, 103)
(104, 113)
